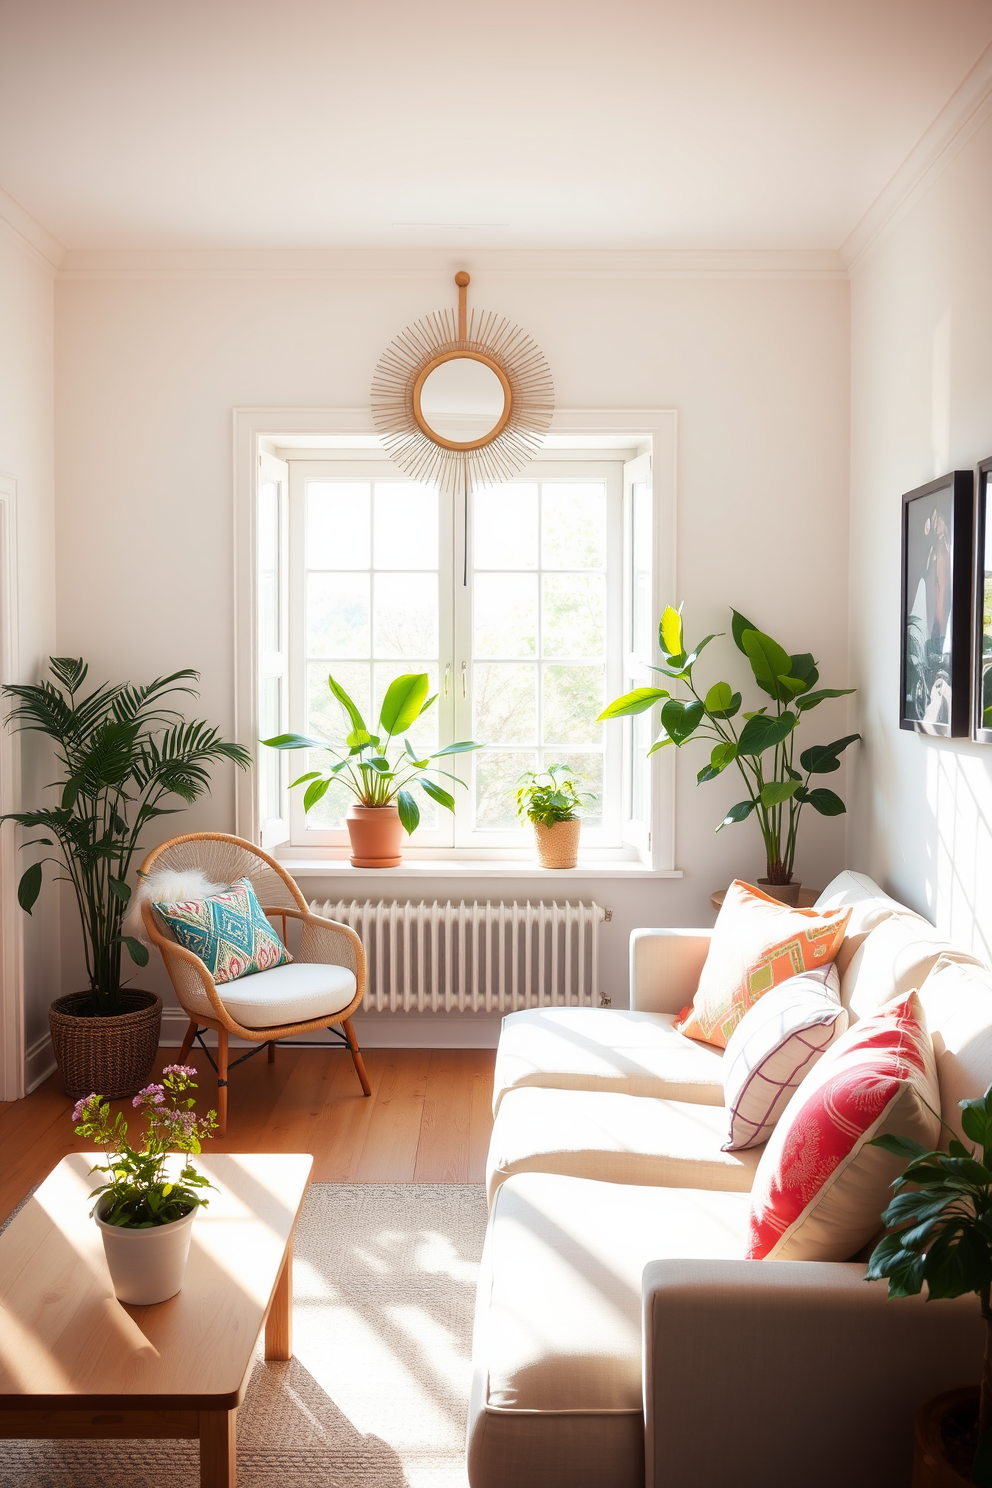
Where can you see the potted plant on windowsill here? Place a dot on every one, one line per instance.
(121, 752)
(144, 1215)
(763, 748)
(941, 1223)
(377, 769)
(551, 802)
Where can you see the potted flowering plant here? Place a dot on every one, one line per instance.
(144, 1213)
(551, 802)
(377, 769)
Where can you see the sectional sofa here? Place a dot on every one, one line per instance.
(621, 1337)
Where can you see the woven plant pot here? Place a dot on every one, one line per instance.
(558, 845)
(109, 1056)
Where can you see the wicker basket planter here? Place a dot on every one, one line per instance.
(111, 1056)
(558, 845)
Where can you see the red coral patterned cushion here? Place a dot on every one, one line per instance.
(757, 943)
(820, 1189)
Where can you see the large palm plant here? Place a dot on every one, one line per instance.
(121, 753)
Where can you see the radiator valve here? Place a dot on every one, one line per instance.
(607, 915)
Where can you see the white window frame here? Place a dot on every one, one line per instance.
(272, 430)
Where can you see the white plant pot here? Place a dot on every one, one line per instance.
(147, 1266)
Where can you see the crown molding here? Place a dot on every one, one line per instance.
(28, 233)
(420, 263)
(963, 114)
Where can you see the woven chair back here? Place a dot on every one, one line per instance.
(225, 859)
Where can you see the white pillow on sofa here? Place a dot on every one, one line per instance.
(774, 1047)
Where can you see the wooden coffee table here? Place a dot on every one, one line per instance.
(75, 1362)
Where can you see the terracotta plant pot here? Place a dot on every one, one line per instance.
(147, 1266)
(558, 845)
(784, 893)
(935, 1462)
(376, 834)
(109, 1056)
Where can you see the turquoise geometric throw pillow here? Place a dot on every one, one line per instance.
(229, 932)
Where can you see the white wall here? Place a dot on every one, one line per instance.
(921, 405)
(150, 365)
(27, 458)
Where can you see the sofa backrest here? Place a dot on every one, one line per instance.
(869, 906)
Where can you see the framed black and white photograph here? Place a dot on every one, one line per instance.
(937, 522)
(982, 711)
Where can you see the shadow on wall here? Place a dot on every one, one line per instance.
(959, 849)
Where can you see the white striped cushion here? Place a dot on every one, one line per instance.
(773, 1048)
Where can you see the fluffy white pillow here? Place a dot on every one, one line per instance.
(170, 885)
(773, 1048)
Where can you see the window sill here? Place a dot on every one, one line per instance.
(471, 868)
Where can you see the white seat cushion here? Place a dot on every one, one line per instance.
(605, 1049)
(296, 993)
(615, 1138)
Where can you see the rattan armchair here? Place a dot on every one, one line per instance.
(224, 859)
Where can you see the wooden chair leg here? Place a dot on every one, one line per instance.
(356, 1055)
(188, 1038)
(221, 1081)
(272, 1052)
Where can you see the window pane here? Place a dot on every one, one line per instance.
(573, 526)
(505, 526)
(497, 774)
(338, 614)
(505, 703)
(640, 578)
(573, 698)
(337, 524)
(268, 759)
(406, 614)
(574, 614)
(405, 525)
(505, 615)
(640, 771)
(268, 566)
(590, 766)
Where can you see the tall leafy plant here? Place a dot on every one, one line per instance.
(122, 752)
(763, 747)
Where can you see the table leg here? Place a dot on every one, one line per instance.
(218, 1449)
(279, 1323)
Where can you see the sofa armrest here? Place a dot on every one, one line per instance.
(665, 967)
(759, 1372)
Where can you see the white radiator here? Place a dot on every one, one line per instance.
(475, 958)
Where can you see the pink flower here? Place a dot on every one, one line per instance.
(152, 1095)
(180, 1069)
(81, 1107)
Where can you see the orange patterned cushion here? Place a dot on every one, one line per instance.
(757, 943)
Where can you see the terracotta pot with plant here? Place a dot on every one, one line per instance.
(145, 1212)
(551, 801)
(763, 748)
(122, 752)
(377, 768)
(941, 1223)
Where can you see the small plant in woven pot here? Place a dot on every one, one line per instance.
(941, 1236)
(551, 801)
(124, 757)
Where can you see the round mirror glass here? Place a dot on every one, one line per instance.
(462, 400)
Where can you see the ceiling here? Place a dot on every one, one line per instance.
(724, 124)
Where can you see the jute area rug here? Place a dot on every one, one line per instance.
(377, 1394)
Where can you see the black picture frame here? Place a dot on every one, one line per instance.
(981, 731)
(935, 673)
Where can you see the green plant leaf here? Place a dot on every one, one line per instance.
(737, 813)
(670, 635)
(826, 802)
(792, 685)
(459, 748)
(315, 792)
(697, 651)
(428, 703)
(721, 701)
(29, 887)
(822, 759)
(763, 731)
(777, 791)
(403, 701)
(738, 626)
(638, 701)
(804, 667)
(659, 743)
(302, 779)
(681, 719)
(357, 739)
(119, 889)
(721, 756)
(137, 952)
(408, 810)
(768, 661)
(437, 793)
(357, 721)
(813, 699)
(294, 741)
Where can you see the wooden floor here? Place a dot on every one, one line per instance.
(428, 1119)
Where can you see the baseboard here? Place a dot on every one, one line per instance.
(39, 1061)
(380, 1030)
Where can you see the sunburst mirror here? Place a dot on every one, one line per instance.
(462, 400)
